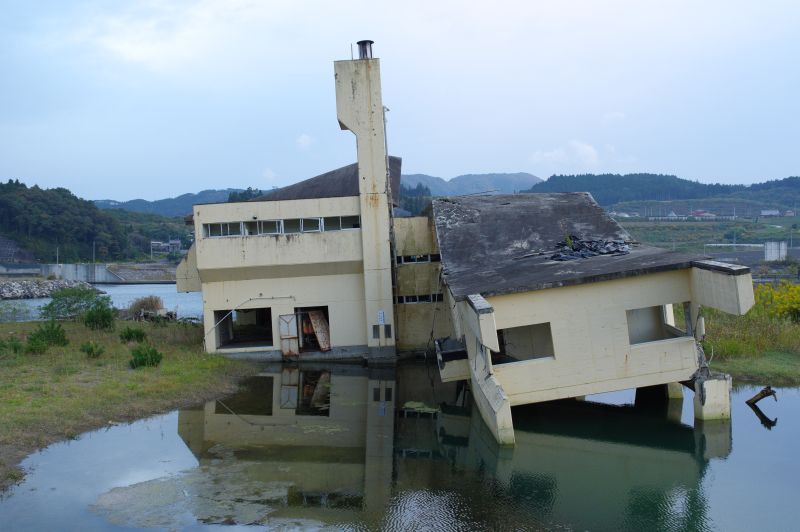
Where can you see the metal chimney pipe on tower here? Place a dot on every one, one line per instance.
(365, 49)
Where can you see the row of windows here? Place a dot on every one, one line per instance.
(414, 259)
(278, 227)
(426, 298)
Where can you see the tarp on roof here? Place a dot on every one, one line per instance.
(337, 183)
(493, 245)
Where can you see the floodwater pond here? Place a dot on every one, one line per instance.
(361, 448)
(187, 305)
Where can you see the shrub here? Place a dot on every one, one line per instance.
(92, 349)
(16, 345)
(145, 304)
(132, 334)
(99, 317)
(72, 302)
(45, 335)
(145, 355)
(36, 345)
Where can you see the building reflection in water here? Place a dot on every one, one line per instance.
(334, 444)
(319, 436)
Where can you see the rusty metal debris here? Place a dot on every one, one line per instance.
(573, 248)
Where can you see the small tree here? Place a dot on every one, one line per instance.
(99, 317)
(145, 355)
(69, 303)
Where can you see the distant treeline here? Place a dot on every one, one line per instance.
(40, 220)
(608, 189)
(632, 189)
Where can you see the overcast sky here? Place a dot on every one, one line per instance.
(124, 99)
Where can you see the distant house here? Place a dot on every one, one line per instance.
(766, 213)
(790, 213)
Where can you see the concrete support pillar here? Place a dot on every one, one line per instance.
(712, 397)
(674, 390)
(663, 399)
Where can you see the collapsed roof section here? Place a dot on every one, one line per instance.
(337, 183)
(492, 245)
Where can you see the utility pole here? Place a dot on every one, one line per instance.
(93, 261)
(56, 255)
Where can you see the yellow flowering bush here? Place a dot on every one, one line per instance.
(781, 301)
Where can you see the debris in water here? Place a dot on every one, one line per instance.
(765, 392)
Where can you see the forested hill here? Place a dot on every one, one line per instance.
(40, 220)
(609, 189)
(179, 206)
(472, 183)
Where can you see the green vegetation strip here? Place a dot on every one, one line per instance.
(65, 391)
(764, 345)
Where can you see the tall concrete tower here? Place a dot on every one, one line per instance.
(359, 108)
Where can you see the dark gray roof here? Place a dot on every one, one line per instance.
(334, 184)
(493, 245)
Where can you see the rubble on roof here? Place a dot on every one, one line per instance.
(574, 248)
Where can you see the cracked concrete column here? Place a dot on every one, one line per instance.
(712, 397)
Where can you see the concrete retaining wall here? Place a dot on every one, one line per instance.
(90, 273)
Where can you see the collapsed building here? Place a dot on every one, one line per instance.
(528, 297)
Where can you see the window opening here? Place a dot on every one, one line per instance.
(269, 227)
(528, 342)
(292, 225)
(244, 328)
(311, 225)
(231, 229)
(351, 222)
(332, 223)
(250, 228)
(660, 322)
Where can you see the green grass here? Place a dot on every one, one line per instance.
(63, 392)
(756, 347)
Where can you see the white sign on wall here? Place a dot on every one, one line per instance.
(381, 317)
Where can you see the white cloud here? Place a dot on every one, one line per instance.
(269, 175)
(304, 141)
(576, 154)
(611, 117)
(554, 156)
(584, 153)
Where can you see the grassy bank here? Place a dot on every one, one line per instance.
(762, 346)
(59, 394)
